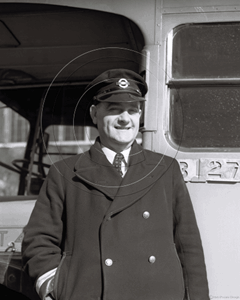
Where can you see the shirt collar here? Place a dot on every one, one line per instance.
(110, 154)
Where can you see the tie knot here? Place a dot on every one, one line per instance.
(119, 157)
(117, 163)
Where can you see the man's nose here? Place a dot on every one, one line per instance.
(124, 117)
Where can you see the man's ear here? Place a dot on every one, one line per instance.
(93, 114)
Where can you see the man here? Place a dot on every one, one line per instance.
(123, 228)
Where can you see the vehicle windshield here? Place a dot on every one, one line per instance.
(43, 116)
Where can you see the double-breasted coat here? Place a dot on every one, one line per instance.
(113, 238)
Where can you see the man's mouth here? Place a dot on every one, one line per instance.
(122, 128)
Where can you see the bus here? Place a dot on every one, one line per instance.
(189, 54)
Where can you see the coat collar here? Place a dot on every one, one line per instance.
(144, 168)
(95, 155)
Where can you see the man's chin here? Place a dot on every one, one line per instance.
(123, 142)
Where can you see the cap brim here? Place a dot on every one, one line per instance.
(123, 96)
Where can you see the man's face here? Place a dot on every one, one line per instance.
(117, 123)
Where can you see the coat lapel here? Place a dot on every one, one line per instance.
(93, 168)
(145, 167)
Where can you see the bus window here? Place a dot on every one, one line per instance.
(205, 86)
(68, 140)
(14, 130)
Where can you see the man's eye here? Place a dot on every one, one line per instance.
(133, 111)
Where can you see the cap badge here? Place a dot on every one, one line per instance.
(123, 83)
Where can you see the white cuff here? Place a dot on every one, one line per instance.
(44, 277)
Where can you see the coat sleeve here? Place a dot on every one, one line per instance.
(41, 248)
(188, 241)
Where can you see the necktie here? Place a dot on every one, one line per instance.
(117, 163)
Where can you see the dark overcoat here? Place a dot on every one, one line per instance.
(110, 238)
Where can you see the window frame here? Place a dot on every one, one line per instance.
(171, 83)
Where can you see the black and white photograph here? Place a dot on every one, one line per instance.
(119, 150)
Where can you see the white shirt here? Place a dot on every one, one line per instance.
(110, 154)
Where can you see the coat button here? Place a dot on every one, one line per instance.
(152, 259)
(108, 262)
(146, 214)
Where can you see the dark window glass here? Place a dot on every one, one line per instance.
(206, 51)
(205, 117)
(204, 86)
